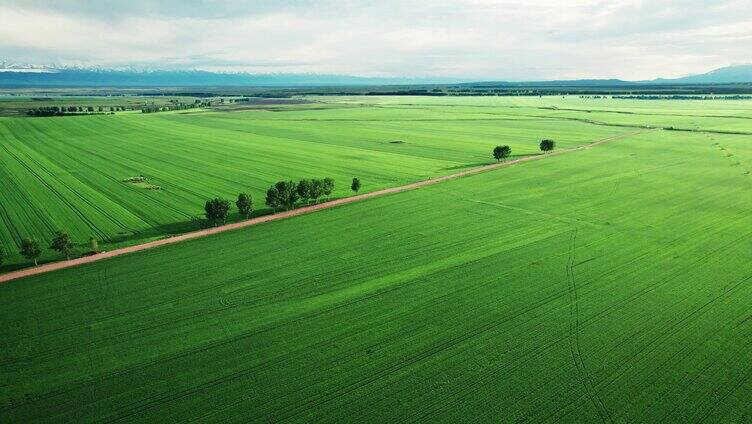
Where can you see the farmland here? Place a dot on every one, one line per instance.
(604, 285)
(75, 173)
(14, 106)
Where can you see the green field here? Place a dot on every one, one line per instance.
(68, 172)
(19, 105)
(609, 284)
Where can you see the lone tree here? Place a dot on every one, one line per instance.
(2, 255)
(355, 186)
(328, 186)
(304, 189)
(62, 243)
(216, 210)
(30, 249)
(272, 198)
(244, 204)
(316, 190)
(501, 152)
(93, 245)
(288, 193)
(547, 145)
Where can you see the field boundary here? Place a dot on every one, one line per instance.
(54, 266)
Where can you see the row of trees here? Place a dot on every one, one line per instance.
(216, 210)
(503, 152)
(61, 242)
(683, 97)
(173, 106)
(287, 193)
(282, 194)
(84, 110)
(71, 110)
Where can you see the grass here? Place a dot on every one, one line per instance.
(69, 173)
(609, 284)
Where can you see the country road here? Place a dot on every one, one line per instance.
(54, 266)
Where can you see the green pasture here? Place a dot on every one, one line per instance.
(609, 284)
(713, 115)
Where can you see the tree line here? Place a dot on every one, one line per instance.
(282, 194)
(174, 105)
(502, 152)
(61, 243)
(682, 97)
(89, 110)
(287, 193)
(72, 110)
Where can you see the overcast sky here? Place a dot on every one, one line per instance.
(477, 39)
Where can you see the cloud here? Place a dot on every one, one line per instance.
(485, 39)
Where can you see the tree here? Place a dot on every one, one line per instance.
(304, 189)
(288, 193)
(62, 243)
(547, 145)
(244, 204)
(355, 186)
(328, 186)
(501, 152)
(93, 245)
(216, 210)
(2, 255)
(316, 190)
(272, 198)
(30, 249)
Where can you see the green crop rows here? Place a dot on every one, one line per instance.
(609, 284)
(70, 173)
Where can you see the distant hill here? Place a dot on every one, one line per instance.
(554, 83)
(726, 75)
(25, 77)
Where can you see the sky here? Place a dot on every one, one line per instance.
(473, 39)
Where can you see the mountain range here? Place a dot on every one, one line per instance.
(29, 76)
(726, 75)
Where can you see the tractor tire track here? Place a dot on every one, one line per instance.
(574, 336)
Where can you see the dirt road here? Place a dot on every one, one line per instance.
(53, 266)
